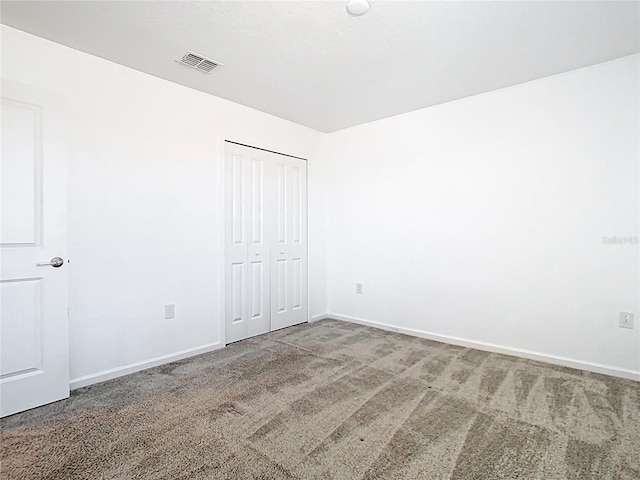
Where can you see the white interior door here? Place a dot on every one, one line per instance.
(248, 232)
(289, 250)
(266, 242)
(34, 367)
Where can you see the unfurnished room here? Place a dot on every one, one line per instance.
(347, 239)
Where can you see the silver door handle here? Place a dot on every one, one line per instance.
(55, 263)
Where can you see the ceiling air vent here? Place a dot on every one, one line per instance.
(199, 62)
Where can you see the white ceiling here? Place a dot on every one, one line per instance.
(312, 63)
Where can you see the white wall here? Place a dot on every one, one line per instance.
(145, 204)
(482, 219)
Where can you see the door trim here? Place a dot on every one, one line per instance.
(265, 150)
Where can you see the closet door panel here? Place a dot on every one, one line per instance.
(247, 257)
(289, 278)
(259, 253)
(236, 268)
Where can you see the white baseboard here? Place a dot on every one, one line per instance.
(490, 347)
(136, 367)
(316, 318)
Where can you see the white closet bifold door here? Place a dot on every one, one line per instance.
(289, 250)
(266, 242)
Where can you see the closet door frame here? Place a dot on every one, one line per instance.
(224, 139)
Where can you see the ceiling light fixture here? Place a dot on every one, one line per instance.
(357, 7)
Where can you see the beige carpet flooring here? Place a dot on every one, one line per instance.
(333, 400)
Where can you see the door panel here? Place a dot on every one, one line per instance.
(21, 337)
(257, 202)
(280, 285)
(34, 324)
(238, 292)
(296, 205)
(282, 203)
(259, 254)
(247, 297)
(289, 279)
(21, 172)
(296, 284)
(237, 201)
(257, 286)
(237, 232)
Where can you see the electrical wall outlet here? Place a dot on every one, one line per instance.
(358, 288)
(169, 311)
(626, 320)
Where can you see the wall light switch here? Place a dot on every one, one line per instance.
(169, 311)
(626, 320)
(358, 288)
